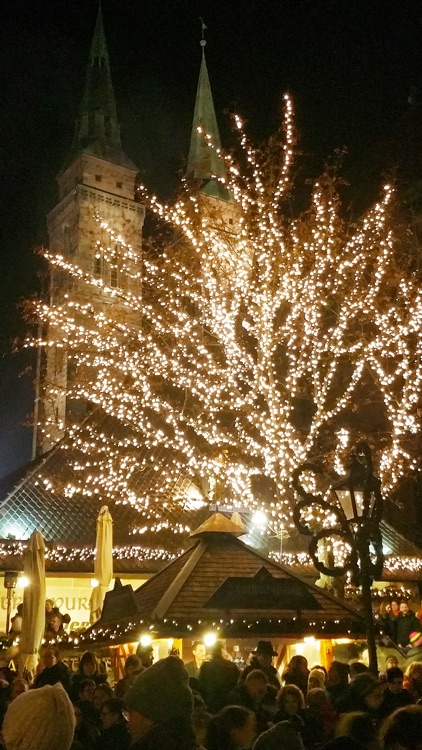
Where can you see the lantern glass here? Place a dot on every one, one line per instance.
(352, 504)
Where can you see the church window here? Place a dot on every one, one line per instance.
(98, 265)
(115, 269)
(113, 275)
(98, 178)
(107, 126)
(119, 184)
(230, 221)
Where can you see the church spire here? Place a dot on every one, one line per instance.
(203, 161)
(97, 128)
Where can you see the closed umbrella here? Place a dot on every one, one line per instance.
(103, 567)
(33, 614)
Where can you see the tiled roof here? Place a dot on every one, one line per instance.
(47, 496)
(182, 598)
(40, 499)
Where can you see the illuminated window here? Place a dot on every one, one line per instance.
(98, 264)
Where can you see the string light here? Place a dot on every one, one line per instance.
(229, 358)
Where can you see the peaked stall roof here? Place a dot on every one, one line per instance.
(223, 584)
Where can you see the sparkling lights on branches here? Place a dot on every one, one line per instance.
(252, 342)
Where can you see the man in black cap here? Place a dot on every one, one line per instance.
(263, 659)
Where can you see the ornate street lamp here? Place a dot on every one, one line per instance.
(352, 510)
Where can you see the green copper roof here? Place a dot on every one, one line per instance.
(97, 128)
(203, 161)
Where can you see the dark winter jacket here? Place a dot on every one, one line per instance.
(216, 679)
(52, 675)
(116, 737)
(300, 679)
(406, 624)
(392, 701)
(240, 697)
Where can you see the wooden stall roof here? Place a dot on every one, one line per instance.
(222, 583)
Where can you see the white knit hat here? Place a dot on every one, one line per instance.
(42, 719)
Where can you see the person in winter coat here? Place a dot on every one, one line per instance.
(133, 667)
(233, 728)
(407, 623)
(325, 716)
(217, 678)
(394, 696)
(402, 730)
(292, 708)
(114, 734)
(88, 670)
(53, 671)
(366, 694)
(297, 673)
(87, 729)
(262, 658)
(40, 720)
(160, 706)
(415, 651)
(250, 694)
(338, 687)
(387, 622)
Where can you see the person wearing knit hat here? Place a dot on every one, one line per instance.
(414, 653)
(160, 705)
(41, 719)
(316, 679)
(366, 693)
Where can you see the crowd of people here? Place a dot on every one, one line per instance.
(211, 704)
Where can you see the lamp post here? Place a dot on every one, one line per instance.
(352, 513)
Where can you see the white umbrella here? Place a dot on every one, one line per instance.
(103, 567)
(33, 615)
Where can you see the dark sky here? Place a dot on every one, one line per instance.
(350, 65)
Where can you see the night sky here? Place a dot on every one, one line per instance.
(349, 64)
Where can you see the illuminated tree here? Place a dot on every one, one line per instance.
(247, 343)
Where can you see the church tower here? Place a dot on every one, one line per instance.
(206, 168)
(97, 180)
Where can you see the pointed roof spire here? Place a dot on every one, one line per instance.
(203, 161)
(97, 128)
(220, 524)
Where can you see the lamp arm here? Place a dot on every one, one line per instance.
(317, 500)
(335, 570)
(296, 484)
